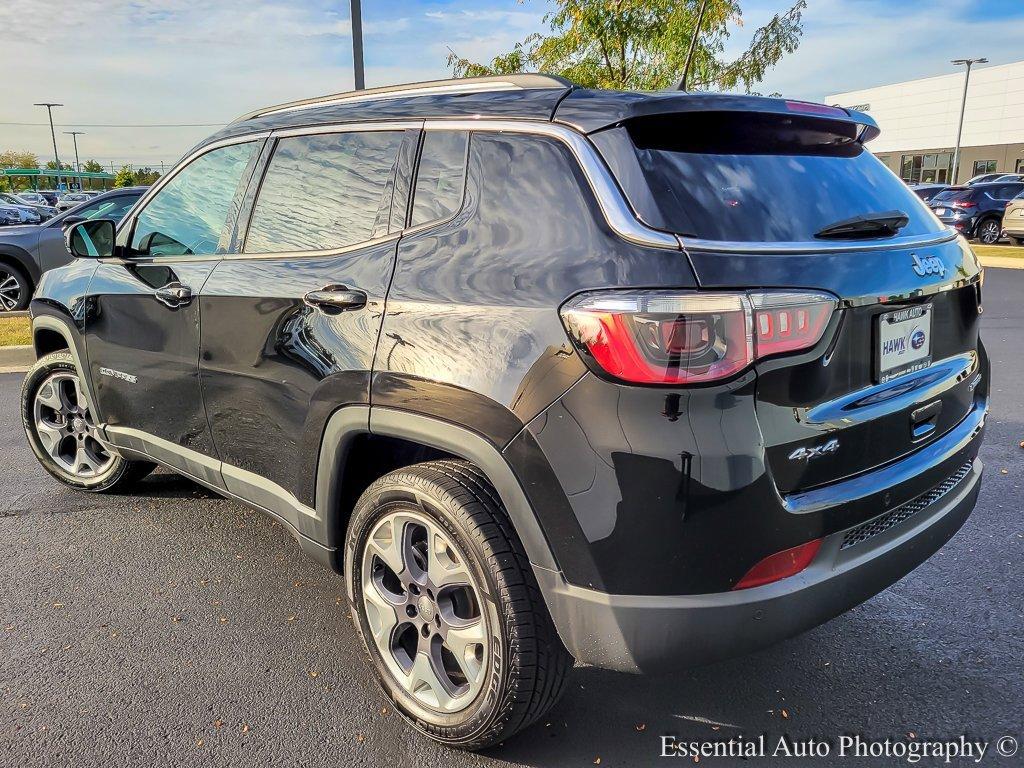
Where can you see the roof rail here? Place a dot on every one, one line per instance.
(516, 82)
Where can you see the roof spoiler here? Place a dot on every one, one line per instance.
(591, 111)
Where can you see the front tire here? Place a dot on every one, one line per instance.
(442, 595)
(58, 423)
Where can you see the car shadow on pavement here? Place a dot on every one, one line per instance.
(165, 484)
(861, 673)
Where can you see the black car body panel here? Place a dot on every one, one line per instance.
(251, 383)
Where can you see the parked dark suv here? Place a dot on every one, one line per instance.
(976, 211)
(647, 380)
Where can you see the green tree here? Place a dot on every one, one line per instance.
(14, 159)
(146, 176)
(91, 166)
(646, 45)
(124, 177)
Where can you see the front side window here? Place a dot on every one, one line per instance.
(324, 192)
(109, 208)
(190, 214)
(441, 176)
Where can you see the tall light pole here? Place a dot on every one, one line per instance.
(49, 111)
(78, 166)
(357, 44)
(963, 107)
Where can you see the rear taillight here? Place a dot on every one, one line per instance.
(788, 562)
(963, 204)
(668, 337)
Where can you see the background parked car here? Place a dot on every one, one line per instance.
(51, 196)
(9, 215)
(45, 211)
(927, 191)
(71, 199)
(27, 252)
(983, 178)
(1013, 220)
(977, 211)
(1010, 177)
(27, 214)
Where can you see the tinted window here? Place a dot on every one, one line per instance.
(762, 177)
(190, 213)
(108, 208)
(1007, 191)
(954, 195)
(441, 176)
(324, 192)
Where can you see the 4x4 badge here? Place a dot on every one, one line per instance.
(814, 452)
(929, 265)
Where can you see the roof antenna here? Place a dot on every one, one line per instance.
(681, 85)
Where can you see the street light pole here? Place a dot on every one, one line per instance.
(78, 166)
(963, 108)
(357, 44)
(49, 111)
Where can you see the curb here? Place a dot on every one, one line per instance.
(21, 313)
(1001, 262)
(16, 359)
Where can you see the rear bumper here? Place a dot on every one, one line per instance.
(638, 633)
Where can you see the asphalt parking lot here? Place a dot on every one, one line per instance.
(177, 628)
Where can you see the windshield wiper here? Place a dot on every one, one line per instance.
(882, 224)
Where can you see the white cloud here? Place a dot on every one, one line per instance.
(197, 61)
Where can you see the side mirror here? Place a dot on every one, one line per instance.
(93, 239)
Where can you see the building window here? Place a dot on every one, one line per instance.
(935, 168)
(1019, 167)
(984, 166)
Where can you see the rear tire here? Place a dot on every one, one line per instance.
(59, 426)
(15, 289)
(989, 231)
(441, 523)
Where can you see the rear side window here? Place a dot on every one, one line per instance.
(758, 177)
(324, 192)
(441, 177)
(190, 213)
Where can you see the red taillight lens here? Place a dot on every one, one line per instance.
(788, 562)
(963, 204)
(664, 337)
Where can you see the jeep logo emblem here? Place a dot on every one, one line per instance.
(929, 265)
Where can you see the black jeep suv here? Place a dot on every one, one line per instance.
(644, 380)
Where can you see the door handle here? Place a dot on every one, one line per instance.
(174, 295)
(333, 299)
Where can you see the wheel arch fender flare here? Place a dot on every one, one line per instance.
(348, 422)
(20, 258)
(75, 344)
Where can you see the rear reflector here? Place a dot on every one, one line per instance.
(667, 337)
(788, 562)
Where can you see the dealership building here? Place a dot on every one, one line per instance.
(919, 121)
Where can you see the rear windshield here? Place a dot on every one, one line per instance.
(761, 177)
(953, 196)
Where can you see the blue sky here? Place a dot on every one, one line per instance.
(207, 61)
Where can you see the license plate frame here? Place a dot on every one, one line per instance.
(903, 340)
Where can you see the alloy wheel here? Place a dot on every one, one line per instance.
(10, 291)
(65, 427)
(989, 234)
(423, 609)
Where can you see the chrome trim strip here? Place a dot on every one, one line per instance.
(613, 204)
(730, 246)
(356, 127)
